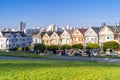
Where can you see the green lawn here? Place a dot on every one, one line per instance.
(58, 70)
(22, 54)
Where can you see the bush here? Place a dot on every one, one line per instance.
(92, 46)
(66, 46)
(111, 45)
(53, 48)
(79, 46)
(20, 49)
(29, 47)
(41, 47)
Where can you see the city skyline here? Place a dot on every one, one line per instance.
(60, 12)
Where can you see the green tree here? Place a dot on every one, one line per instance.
(79, 46)
(92, 46)
(111, 45)
(20, 49)
(41, 47)
(53, 48)
(66, 46)
(29, 47)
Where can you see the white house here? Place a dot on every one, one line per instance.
(66, 37)
(14, 39)
(37, 38)
(91, 35)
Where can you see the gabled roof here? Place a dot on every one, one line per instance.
(39, 35)
(6, 33)
(112, 28)
(59, 33)
(49, 33)
(96, 29)
(70, 31)
(118, 28)
(82, 30)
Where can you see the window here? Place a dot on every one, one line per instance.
(108, 37)
(1, 45)
(76, 38)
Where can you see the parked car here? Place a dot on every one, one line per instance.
(112, 53)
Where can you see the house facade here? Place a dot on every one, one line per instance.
(66, 37)
(37, 38)
(55, 38)
(46, 38)
(91, 35)
(78, 36)
(108, 33)
(14, 39)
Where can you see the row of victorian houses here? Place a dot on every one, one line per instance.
(83, 36)
(15, 39)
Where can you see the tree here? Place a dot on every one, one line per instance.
(92, 46)
(66, 46)
(29, 47)
(79, 46)
(53, 48)
(19, 49)
(111, 45)
(41, 47)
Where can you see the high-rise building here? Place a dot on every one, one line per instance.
(51, 28)
(22, 26)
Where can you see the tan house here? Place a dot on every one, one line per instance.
(66, 37)
(46, 38)
(55, 38)
(108, 33)
(78, 36)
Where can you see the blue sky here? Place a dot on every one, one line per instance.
(60, 12)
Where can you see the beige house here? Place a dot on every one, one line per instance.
(55, 38)
(78, 36)
(37, 38)
(66, 37)
(47, 39)
(108, 33)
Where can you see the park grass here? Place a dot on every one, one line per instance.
(22, 54)
(58, 70)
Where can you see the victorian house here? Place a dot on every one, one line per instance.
(14, 39)
(46, 38)
(108, 33)
(92, 35)
(37, 38)
(55, 38)
(78, 36)
(66, 37)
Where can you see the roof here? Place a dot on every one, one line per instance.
(59, 33)
(112, 28)
(96, 29)
(82, 30)
(118, 28)
(49, 33)
(70, 31)
(39, 35)
(6, 33)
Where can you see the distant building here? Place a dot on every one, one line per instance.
(31, 30)
(51, 28)
(22, 26)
